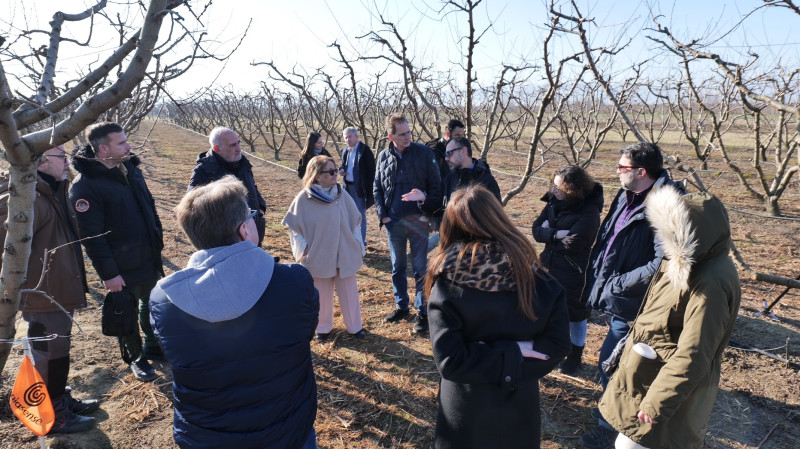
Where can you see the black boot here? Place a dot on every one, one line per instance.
(571, 364)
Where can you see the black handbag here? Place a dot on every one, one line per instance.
(120, 315)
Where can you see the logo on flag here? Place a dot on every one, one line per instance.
(30, 400)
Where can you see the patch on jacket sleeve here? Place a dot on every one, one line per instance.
(81, 205)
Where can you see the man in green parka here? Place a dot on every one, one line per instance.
(661, 397)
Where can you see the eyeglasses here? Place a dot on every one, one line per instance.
(63, 156)
(252, 215)
(449, 153)
(331, 172)
(626, 167)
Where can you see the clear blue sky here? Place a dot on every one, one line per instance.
(296, 33)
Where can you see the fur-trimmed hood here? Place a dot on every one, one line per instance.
(690, 228)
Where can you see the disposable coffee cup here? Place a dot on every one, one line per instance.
(624, 442)
(644, 350)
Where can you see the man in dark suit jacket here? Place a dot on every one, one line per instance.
(358, 173)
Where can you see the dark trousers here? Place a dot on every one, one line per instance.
(133, 343)
(51, 357)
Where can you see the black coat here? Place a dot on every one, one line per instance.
(439, 147)
(462, 177)
(366, 172)
(210, 167)
(303, 162)
(489, 394)
(105, 200)
(566, 259)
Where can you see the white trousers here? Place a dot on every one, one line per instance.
(347, 291)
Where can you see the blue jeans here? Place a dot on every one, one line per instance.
(616, 330)
(361, 206)
(413, 230)
(311, 443)
(433, 241)
(577, 332)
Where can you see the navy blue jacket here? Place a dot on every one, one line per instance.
(423, 174)
(616, 284)
(245, 382)
(365, 162)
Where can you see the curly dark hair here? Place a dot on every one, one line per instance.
(576, 182)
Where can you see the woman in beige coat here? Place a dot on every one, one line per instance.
(325, 231)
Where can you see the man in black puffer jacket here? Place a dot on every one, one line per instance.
(115, 208)
(225, 158)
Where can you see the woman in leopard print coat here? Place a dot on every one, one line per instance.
(498, 323)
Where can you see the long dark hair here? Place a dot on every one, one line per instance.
(576, 182)
(311, 140)
(473, 217)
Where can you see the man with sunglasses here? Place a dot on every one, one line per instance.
(407, 191)
(466, 170)
(54, 226)
(623, 260)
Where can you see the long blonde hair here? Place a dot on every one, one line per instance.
(474, 217)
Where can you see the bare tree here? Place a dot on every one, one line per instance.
(578, 28)
(759, 94)
(550, 104)
(69, 110)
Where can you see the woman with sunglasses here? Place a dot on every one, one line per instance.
(315, 146)
(568, 226)
(325, 232)
(498, 323)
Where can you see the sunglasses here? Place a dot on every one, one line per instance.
(331, 172)
(252, 215)
(626, 167)
(449, 153)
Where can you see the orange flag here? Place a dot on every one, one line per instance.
(30, 400)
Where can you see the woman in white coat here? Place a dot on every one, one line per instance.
(325, 231)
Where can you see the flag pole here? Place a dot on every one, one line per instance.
(26, 347)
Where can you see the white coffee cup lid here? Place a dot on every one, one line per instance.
(644, 350)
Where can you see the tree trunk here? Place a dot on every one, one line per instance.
(22, 172)
(22, 192)
(772, 206)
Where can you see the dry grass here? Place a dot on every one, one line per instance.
(381, 392)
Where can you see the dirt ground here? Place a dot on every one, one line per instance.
(381, 392)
